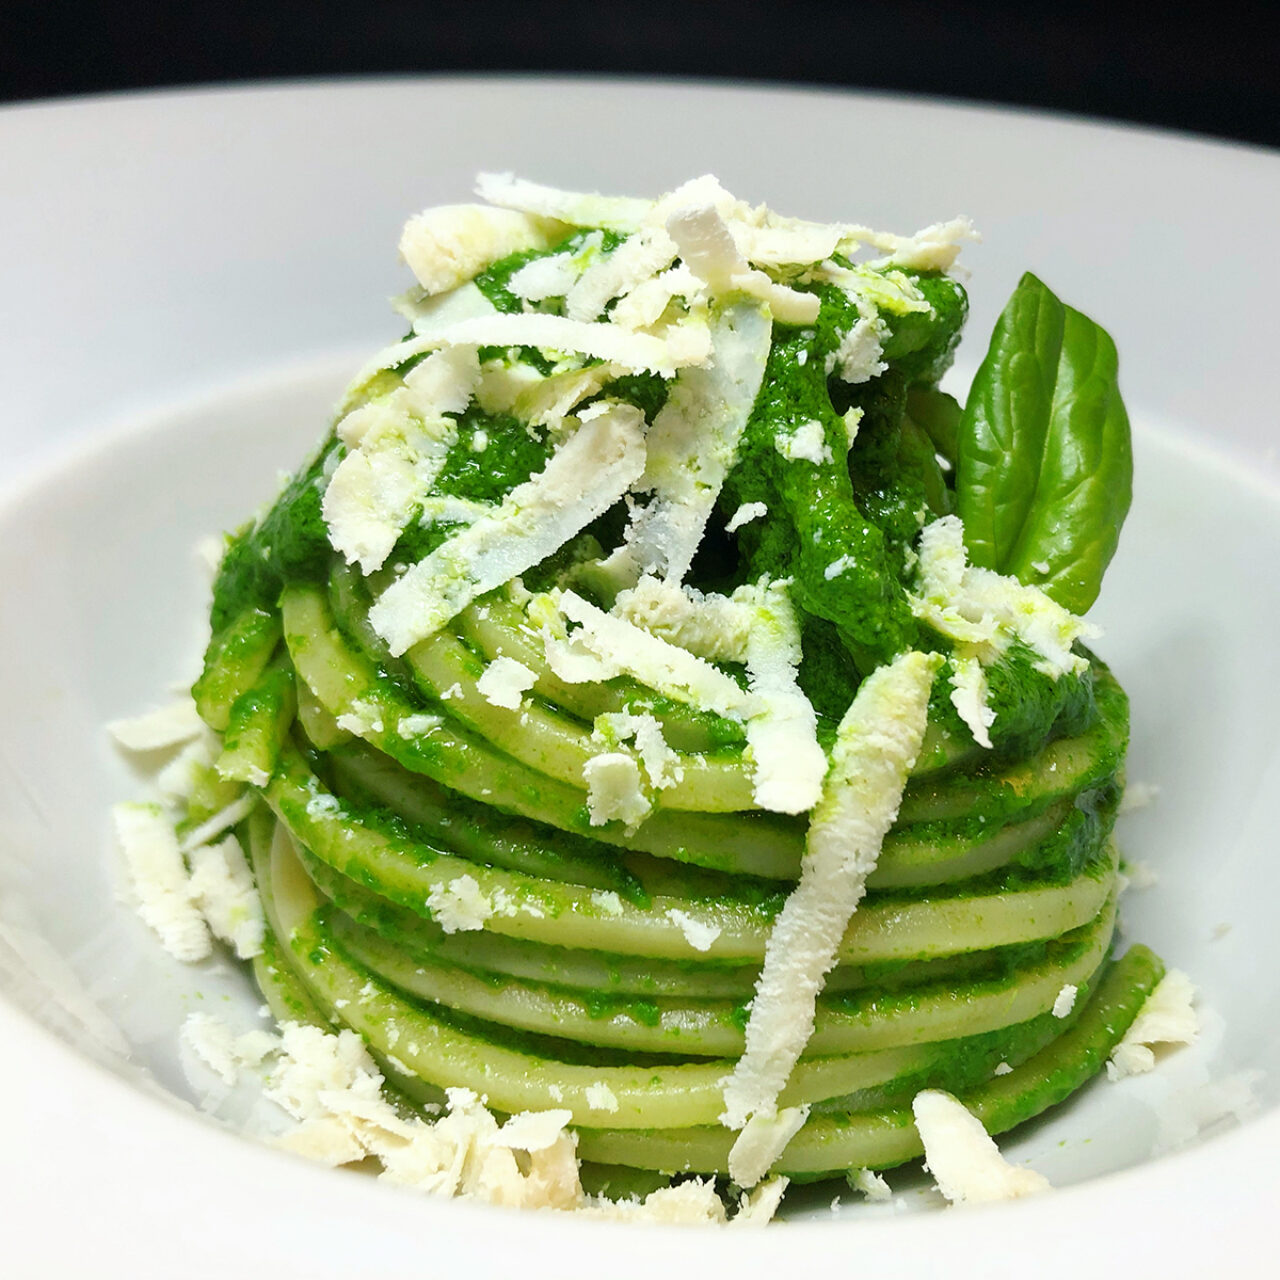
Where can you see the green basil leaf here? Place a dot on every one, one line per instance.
(1044, 469)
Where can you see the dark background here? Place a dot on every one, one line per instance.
(1213, 69)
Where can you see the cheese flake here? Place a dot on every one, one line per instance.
(969, 695)
(377, 486)
(159, 875)
(665, 668)
(601, 1097)
(579, 209)
(1168, 1016)
(782, 731)
(807, 442)
(169, 726)
(962, 1157)
(448, 245)
(745, 514)
(590, 471)
(505, 682)
(876, 744)
(983, 609)
(691, 447)
(762, 1140)
(697, 933)
(459, 905)
(872, 1185)
(614, 792)
(222, 887)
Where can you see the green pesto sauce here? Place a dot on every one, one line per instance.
(289, 544)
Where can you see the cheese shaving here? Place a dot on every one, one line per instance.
(1168, 1016)
(168, 726)
(876, 745)
(691, 447)
(983, 609)
(963, 1159)
(583, 478)
(448, 245)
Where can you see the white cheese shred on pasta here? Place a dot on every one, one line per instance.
(668, 669)
(448, 245)
(876, 744)
(963, 1158)
(757, 627)
(590, 471)
(1167, 1016)
(985, 611)
(691, 447)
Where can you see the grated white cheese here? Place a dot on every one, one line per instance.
(841, 564)
(634, 264)
(154, 861)
(448, 245)
(755, 626)
(617, 213)
(782, 730)
(460, 905)
(215, 1043)
(876, 744)
(852, 420)
(685, 342)
(1065, 1001)
(708, 625)
(965, 1162)
(222, 887)
(601, 1097)
(986, 610)
(582, 479)
(665, 668)
(661, 763)
(708, 249)
(178, 778)
(697, 933)
(859, 357)
(375, 489)
(762, 1140)
(934, 248)
(420, 723)
(505, 682)
(364, 718)
(614, 792)
(544, 278)
(169, 726)
(745, 514)
(871, 1184)
(608, 902)
(691, 447)
(969, 694)
(807, 442)
(1167, 1016)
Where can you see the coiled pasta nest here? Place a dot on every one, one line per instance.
(550, 672)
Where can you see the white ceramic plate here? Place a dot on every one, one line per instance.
(186, 280)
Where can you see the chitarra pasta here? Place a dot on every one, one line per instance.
(658, 705)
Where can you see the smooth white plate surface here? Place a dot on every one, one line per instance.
(186, 280)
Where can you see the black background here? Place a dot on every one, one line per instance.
(1211, 69)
